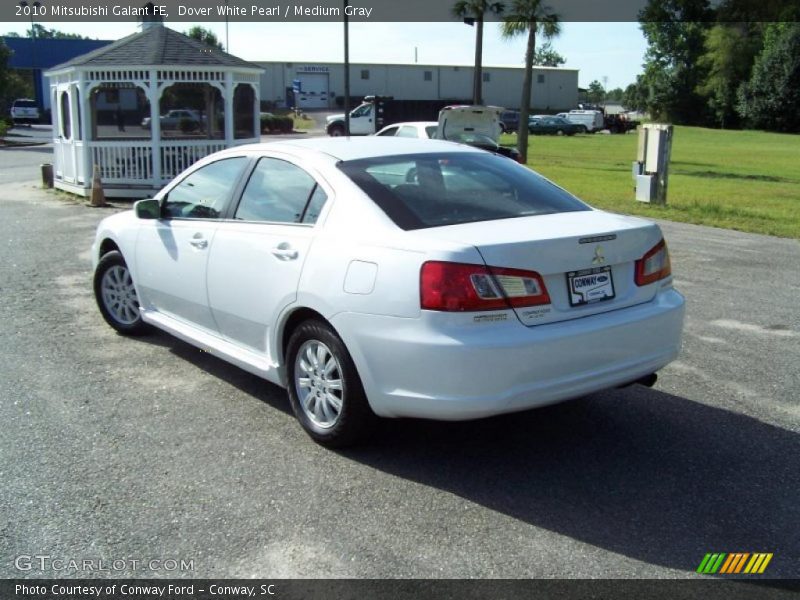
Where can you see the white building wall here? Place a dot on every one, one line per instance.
(552, 89)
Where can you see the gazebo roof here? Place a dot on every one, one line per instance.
(156, 46)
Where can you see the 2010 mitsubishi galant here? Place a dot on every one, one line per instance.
(392, 277)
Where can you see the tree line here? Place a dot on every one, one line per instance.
(733, 65)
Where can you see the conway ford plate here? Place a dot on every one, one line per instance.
(590, 285)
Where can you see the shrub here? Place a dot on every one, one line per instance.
(274, 124)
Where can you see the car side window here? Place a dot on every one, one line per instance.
(389, 131)
(204, 193)
(280, 192)
(407, 131)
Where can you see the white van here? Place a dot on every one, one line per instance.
(592, 120)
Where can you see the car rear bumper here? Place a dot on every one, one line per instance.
(420, 368)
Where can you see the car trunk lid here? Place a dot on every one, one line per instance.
(586, 259)
(457, 120)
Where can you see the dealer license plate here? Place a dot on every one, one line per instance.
(590, 285)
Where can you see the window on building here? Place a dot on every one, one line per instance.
(487, 77)
(364, 73)
(540, 78)
(428, 76)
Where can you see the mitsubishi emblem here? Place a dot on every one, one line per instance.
(598, 259)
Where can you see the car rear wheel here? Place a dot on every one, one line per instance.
(560, 132)
(325, 390)
(116, 295)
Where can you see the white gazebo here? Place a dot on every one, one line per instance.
(146, 107)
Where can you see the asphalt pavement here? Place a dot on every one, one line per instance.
(138, 449)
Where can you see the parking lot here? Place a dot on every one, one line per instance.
(148, 448)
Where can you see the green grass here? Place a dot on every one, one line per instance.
(301, 122)
(745, 180)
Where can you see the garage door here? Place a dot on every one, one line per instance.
(314, 90)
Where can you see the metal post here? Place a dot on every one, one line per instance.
(227, 40)
(36, 84)
(346, 70)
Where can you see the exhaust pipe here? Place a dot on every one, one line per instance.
(646, 381)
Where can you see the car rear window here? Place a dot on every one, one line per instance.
(432, 190)
(25, 104)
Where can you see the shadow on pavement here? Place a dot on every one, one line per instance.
(41, 149)
(649, 475)
(639, 472)
(248, 383)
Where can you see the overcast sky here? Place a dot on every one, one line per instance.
(612, 50)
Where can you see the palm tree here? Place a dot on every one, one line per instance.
(531, 17)
(473, 11)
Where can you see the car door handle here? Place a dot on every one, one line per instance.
(198, 241)
(285, 252)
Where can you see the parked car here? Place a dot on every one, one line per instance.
(392, 277)
(25, 111)
(553, 126)
(411, 129)
(590, 120)
(509, 119)
(173, 119)
(484, 142)
(430, 129)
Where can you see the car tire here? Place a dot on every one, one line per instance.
(116, 296)
(325, 391)
(582, 129)
(559, 132)
(336, 131)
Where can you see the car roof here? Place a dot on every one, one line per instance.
(415, 124)
(355, 148)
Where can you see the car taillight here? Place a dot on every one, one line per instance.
(654, 265)
(458, 287)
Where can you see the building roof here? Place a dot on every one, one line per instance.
(43, 53)
(156, 46)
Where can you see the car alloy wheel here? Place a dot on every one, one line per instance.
(116, 296)
(325, 390)
(318, 383)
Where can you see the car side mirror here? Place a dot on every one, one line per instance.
(148, 209)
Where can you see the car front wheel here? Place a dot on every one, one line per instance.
(324, 387)
(116, 295)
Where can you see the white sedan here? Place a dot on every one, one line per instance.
(393, 277)
(412, 129)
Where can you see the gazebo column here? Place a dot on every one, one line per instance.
(154, 97)
(229, 89)
(74, 129)
(84, 107)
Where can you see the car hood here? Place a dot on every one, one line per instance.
(332, 118)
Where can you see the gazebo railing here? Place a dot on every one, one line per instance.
(119, 164)
(179, 155)
(131, 162)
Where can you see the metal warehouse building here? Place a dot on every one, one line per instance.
(322, 84)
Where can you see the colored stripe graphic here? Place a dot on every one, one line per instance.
(758, 563)
(732, 563)
(711, 563)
